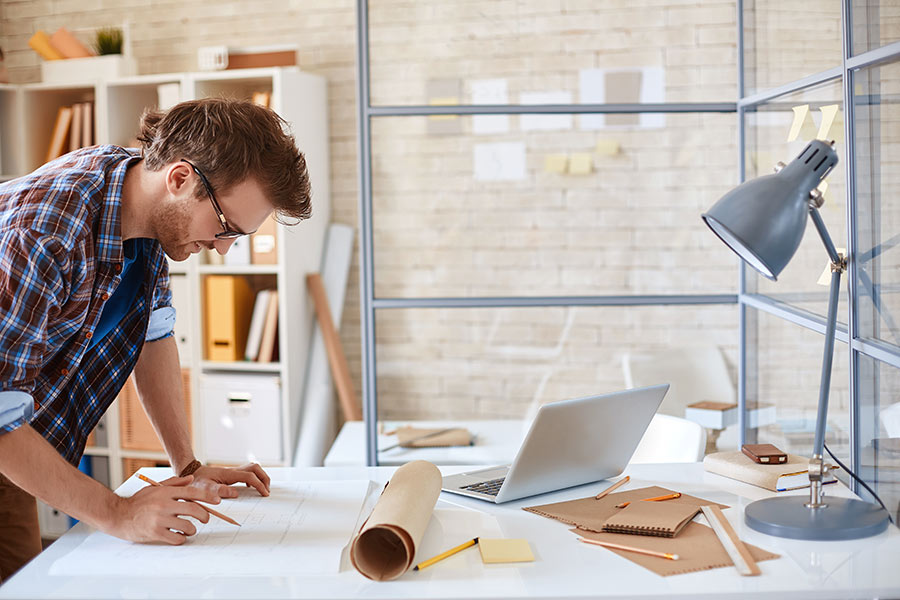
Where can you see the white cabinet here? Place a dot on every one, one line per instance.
(27, 117)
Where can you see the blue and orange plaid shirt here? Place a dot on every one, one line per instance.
(61, 256)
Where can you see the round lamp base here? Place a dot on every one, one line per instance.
(842, 519)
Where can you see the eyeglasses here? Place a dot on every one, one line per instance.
(227, 232)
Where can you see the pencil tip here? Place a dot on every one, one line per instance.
(416, 568)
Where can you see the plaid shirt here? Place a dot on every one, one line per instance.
(60, 259)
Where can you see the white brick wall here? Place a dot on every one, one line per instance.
(632, 226)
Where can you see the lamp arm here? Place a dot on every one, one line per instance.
(838, 263)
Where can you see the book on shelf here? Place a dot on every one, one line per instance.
(60, 133)
(257, 322)
(40, 43)
(68, 45)
(228, 304)
(267, 345)
(87, 124)
(791, 475)
(77, 119)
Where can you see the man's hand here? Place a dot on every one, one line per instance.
(219, 479)
(153, 514)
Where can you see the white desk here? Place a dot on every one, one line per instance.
(564, 568)
(496, 443)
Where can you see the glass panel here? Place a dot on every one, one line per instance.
(876, 23)
(879, 412)
(786, 41)
(503, 363)
(877, 130)
(778, 131)
(545, 208)
(784, 368)
(537, 52)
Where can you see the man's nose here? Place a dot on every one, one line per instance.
(222, 246)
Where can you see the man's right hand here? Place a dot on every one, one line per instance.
(154, 513)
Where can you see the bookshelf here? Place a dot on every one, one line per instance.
(27, 115)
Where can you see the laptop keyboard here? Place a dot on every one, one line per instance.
(485, 487)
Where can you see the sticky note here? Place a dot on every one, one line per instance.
(556, 163)
(828, 114)
(580, 163)
(800, 114)
(504, 551)
(825, 277)
(607, 147)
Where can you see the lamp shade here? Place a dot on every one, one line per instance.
(763, 219)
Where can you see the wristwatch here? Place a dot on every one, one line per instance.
(189, 470)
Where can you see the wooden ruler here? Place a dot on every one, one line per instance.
(735, 548)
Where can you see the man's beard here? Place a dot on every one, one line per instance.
(171, 223)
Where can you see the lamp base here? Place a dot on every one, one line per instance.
(842, 519)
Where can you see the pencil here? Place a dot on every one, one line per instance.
(656, 499)
(667, 555)
(214, 513)
(444, 555)
(613, 487)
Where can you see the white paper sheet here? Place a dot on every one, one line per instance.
(545, 122)
(489, 91)
(504, 161)
(300, 529)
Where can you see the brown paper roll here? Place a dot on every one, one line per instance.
(385, 546)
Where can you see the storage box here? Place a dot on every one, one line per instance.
(241, 417)
(137, 432)
(130, 466)
(78, 70)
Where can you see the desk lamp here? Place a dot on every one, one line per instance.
(763, 221)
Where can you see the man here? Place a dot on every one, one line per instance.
(85, 301)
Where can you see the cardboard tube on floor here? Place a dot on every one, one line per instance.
(386, 545)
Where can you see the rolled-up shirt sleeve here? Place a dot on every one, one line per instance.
(33, 287)
(162, 319)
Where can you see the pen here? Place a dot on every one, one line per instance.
(667, 555)
(206, 508)
(613, 487)
(444, 555)
(656, 499)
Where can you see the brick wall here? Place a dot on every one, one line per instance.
(631, 225)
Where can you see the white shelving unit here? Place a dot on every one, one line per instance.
(27, 116)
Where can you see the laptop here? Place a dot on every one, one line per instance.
(570, 442)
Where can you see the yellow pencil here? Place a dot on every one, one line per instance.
(667, 555)
(444, 555)
(206, 508)
(656, 499)
(613, 487)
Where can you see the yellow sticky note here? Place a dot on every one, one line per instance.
(800, 114)
(607, 147)
(828, 114)
(504, 551)
(446, 101)
(580, 163)
(556, 163)
(825, 277)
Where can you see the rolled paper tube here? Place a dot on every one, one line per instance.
(385, 546)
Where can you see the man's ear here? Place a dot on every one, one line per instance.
(178, 178)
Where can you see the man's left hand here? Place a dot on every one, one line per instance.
(220, 479)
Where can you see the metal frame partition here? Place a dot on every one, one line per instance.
(369, 303)
(858, 346)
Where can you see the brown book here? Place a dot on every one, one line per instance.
(270, 331)
(661, 519)
(68, 45)
(87, 124)
(60, 133)
(77, 120)
(264, 244)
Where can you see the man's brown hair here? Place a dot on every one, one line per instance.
(229, 141)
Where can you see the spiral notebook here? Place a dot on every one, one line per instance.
(663, 519)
